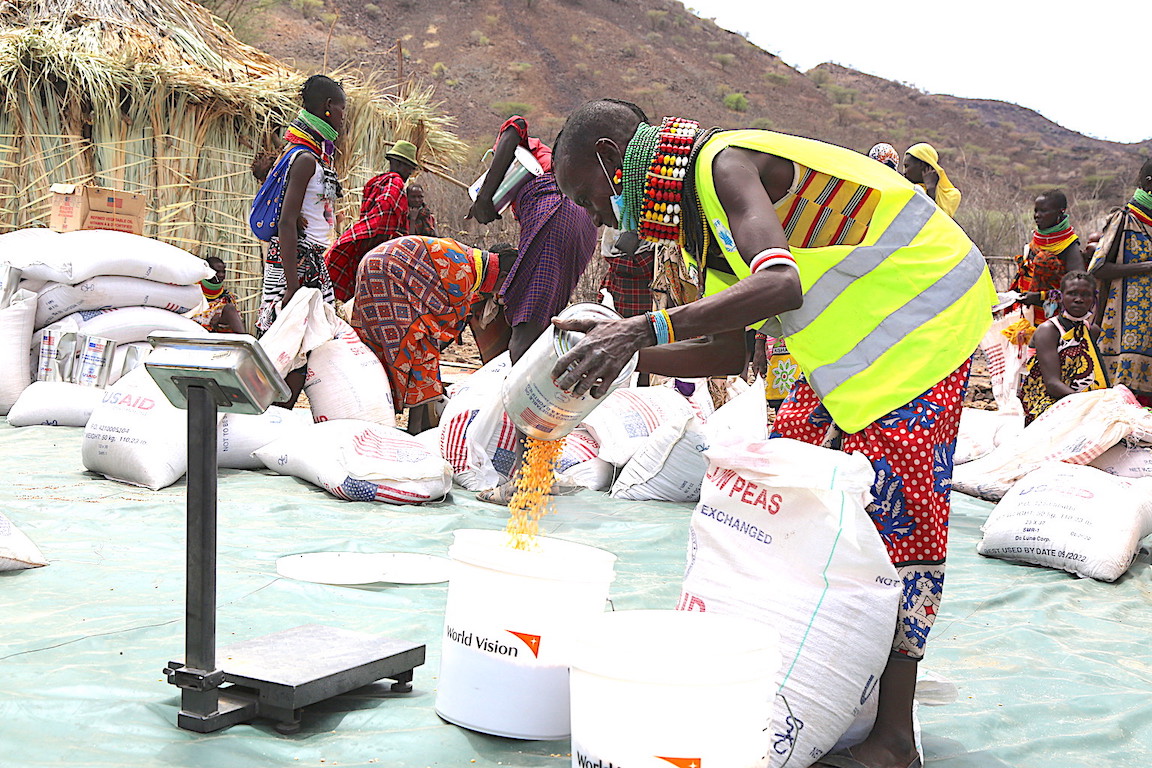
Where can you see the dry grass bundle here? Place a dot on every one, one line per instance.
(157, 98)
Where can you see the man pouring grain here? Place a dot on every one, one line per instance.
(880, 296)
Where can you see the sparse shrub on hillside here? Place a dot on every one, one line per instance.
(737, 102)
(309, 8)
(777, 78)
(479, 38)
(762, 124)
(350, 44)
(657, 18)
(628, 52)
(725, 60)
(819, 77)
(518, 68)
(329, 18)
(841, 95)
(847, 115)
(491, 19)
(372, 9)
(508, 108)
(439, 70)
(242, 15)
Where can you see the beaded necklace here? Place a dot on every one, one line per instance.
(637, 157)
(655, 166)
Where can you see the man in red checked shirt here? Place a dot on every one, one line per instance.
(383, 216)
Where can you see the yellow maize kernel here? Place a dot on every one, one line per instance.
(533, 484)
(1020, 332)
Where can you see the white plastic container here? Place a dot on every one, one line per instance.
(507, 630)
(538, 407)
(657, 688)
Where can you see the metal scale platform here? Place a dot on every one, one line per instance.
(277, 675)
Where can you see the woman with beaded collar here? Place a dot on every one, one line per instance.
(881, 298)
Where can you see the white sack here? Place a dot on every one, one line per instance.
(17, 552)
(361, 461)
(129, 323)
(981, 431)
(781, 536)
(741, 420)
(302, 326)
(347, 381)
(580, 465)
(238, 435)
(700, 398)
(1076, 429)
(430, 439)
(73, 257)
(628, 416)
(24, 246)
(55, 404)
(669, 466)
(55, 300)
(1124, 460)
(120, 359)
(1006, 362)
(1073, 518)
(476, 436)
(136, 436)
(16, 322)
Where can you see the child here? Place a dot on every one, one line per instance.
(1066, 359)
(296, 254)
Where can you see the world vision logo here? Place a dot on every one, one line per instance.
(682, 762)
(532, 641)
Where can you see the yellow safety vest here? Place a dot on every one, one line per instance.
(883, 321)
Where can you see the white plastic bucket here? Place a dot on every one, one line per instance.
(652, 689)
(507, 629)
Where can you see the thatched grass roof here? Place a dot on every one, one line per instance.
(157, 97)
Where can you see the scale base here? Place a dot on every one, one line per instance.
(275, 676)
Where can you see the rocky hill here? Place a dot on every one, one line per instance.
(491, 58)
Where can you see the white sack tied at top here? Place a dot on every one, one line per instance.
(306, 322)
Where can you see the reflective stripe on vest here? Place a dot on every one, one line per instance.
(882, 321)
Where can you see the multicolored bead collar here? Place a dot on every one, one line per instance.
(656, 164)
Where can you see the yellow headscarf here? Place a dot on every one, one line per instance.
(947, 196)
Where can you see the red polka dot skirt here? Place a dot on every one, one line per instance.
(911, 450)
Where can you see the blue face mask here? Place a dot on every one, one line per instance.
(617, 200)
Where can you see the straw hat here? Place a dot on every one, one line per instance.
(403, 150)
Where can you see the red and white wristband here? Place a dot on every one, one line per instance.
(771, 257)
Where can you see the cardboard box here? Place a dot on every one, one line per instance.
(75, 206)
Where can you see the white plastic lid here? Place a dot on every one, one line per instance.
(549, 558)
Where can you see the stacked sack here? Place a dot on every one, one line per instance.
(83, 308)
(353, 450)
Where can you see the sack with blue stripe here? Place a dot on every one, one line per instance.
(264, 219)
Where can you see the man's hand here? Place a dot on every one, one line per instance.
(1032, 299)
(759, 357)
(483, 211)
(594, 364)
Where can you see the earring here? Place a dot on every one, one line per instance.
(618, 177)
(327, 113)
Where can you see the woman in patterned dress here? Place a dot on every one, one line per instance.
(413, 297)
(1066, 359)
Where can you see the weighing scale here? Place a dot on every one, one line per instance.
(276, 675)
